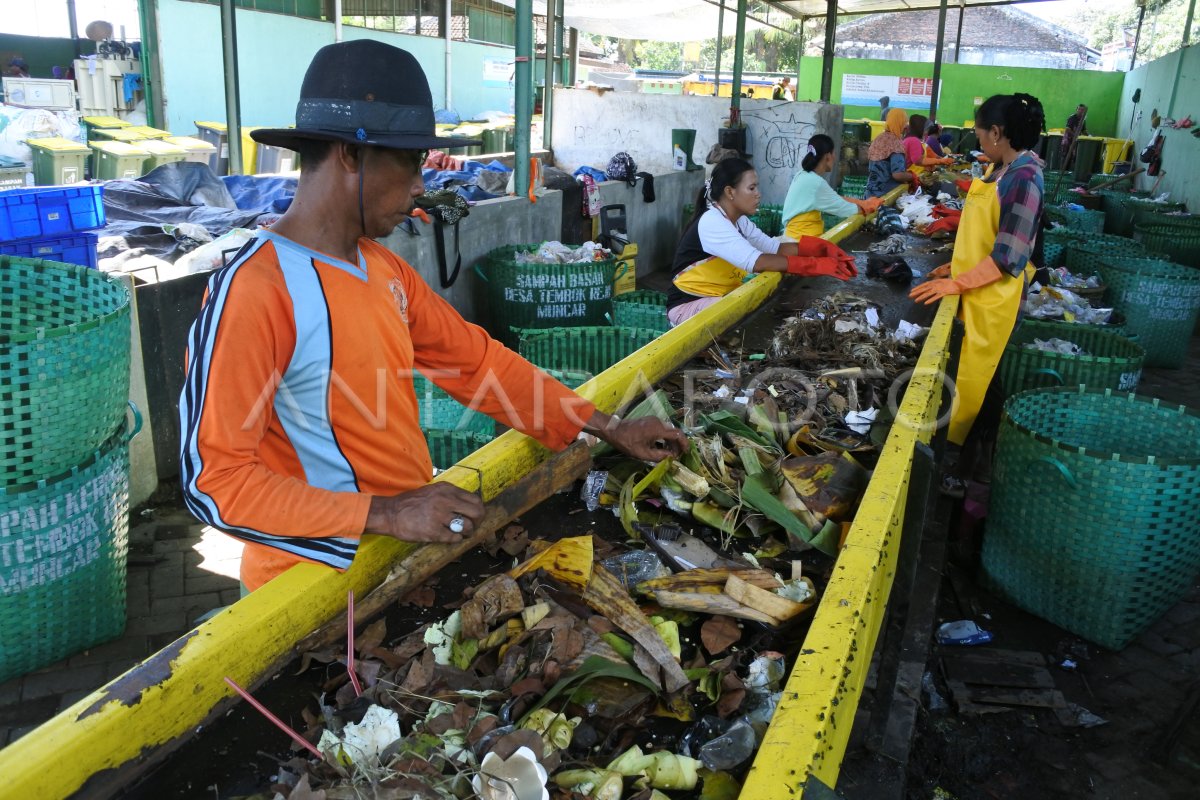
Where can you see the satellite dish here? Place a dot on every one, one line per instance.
(99, 31)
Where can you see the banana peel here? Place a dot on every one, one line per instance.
(829, 484)
(702, 580)
(568, 561)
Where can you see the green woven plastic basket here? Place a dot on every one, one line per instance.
(1080, 220)
(1160, 302)
(641, 309)
(1118, 212)
(1112, 361)
(1179, 242)
(1145, 211)
(854, 186)
(447, 448)
(1056, 192)
(441, 412)
(1094, 518)
(1082, 254)
(544, 295)
(769, 219)
(64, 365)
(62, 584)
(1055, 243)
(590, 350)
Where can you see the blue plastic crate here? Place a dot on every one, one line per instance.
(50, 212)
(77, 249)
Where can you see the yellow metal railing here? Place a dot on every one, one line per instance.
(167, 696)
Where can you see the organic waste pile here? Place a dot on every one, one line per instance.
(647, 664)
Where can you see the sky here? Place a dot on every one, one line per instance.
(49, 17)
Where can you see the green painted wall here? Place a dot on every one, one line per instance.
(1060, 90)
(40, 52)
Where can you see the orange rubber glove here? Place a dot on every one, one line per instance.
(420, 214)
(869, 206)
(815, 246)
(940, 272)
(812, 266)
(984, 273)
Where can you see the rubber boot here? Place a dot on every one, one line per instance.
(685, 140)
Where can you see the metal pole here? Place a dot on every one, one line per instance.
(572, 57)
(937, 67)
(1187, 26)
(827, 57)
(73, 25)
(449, 37)
(958, 39)
(739, 46)
(720, 37)
(548, 75)
(523, 94)
(560, 12)
(233, 102)
(1137, 38)
(148, 20)
(337, 20)
(799, 57)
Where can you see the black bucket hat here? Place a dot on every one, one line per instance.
(363, 92)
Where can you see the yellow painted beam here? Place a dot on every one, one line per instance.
(812, 723)
(172, 692)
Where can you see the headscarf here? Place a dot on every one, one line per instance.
(891, 140)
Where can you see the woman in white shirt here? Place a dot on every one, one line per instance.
(721, 247)
(810, 194)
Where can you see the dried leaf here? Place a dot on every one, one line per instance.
(600, 625)
(528, 686)
(510, 743)
(513, 540)
(420, 675)
(719, 633)
(302, 791)
(482, 728)
(422, 597)
(372, 637)
(411, 645)
(730, 702)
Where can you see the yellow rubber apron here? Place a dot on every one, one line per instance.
(989, 313)
(926, 153)
(807, 224)
(712, 277)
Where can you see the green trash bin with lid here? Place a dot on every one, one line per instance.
(1054, 158)
(91, 124)
(112, 160)
(58, 161)
(159, 152)
(1087, 156)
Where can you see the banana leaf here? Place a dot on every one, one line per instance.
(726, 423)
(756, 493)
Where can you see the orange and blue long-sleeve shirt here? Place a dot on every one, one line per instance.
(298, 405)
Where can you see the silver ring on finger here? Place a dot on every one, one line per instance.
(457, 525)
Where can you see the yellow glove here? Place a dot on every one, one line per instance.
(984, 273)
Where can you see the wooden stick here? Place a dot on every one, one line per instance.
(350, 643)
(1128, 176)
(276, 721)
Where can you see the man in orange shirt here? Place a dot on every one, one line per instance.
(299, 419)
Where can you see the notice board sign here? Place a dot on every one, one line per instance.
(909, 93)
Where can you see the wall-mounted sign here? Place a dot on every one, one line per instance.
(902, 92)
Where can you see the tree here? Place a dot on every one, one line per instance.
(666, 56)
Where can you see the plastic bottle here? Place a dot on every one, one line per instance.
(731, 748)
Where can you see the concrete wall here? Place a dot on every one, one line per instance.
(655, 227)
(589, 128)
(491, 224)
(1060, 90)
(1171, 84)
(273, 52)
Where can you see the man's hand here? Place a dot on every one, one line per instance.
(647, 439)
(425, 514)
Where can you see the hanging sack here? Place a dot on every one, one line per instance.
(445, 207)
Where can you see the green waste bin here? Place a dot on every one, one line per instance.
(113, 160)
(12, 173)
(127, 134)
(197, 150)
(1087, 156)
(160, 152)
(91, 124)
(493, 140)
(58, 161)
(1054, 150)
